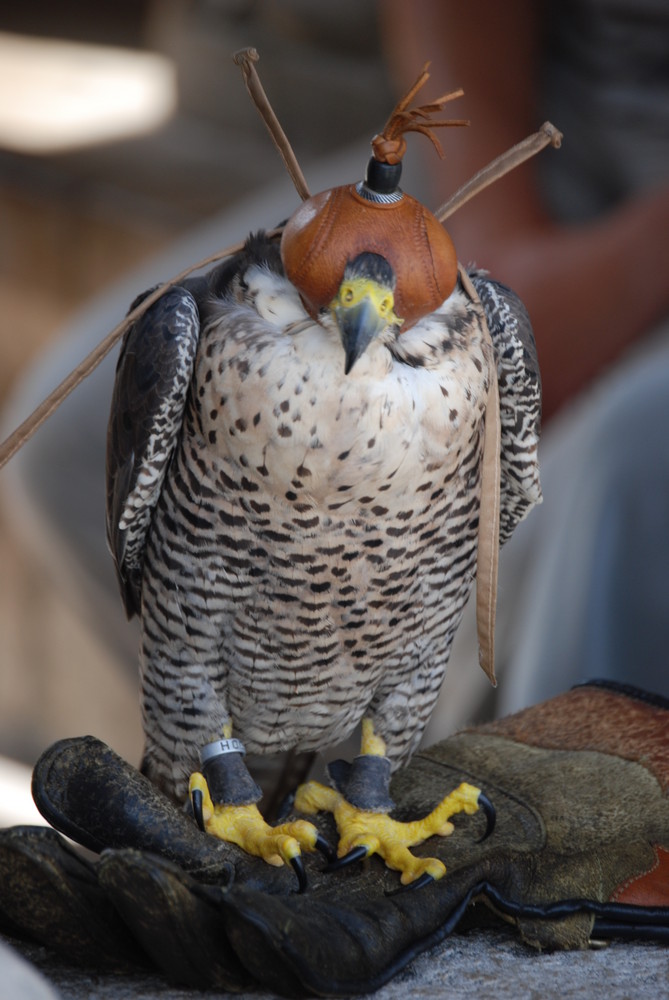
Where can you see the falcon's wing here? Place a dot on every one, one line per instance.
(152, 378)
(520, 399)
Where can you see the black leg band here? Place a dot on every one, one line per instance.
(229, 781)
(364, 783)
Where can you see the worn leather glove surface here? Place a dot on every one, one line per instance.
(580, 851)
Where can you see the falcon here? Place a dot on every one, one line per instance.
(294, 478)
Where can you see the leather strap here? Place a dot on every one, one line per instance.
(488, 534)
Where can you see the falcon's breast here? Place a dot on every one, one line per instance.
(320, 527)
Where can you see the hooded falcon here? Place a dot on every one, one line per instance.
(294, 477)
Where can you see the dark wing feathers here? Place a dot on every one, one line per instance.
(153, 374)
(152, 379)
(520, 399)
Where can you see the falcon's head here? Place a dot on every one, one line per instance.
(364, 304)
(394, 254)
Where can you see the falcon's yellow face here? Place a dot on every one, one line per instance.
(362, 308)
(353, 291)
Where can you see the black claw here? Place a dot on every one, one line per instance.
(197, 799)
(418, 883)
(297, 865)
(357, 854)
(285, 808)
(325, 849)
(490, 814)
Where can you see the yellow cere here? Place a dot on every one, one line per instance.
(354, 290)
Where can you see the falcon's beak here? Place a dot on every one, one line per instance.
(362, 309)
(358, 325)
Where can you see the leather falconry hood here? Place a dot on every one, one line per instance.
(331, 228)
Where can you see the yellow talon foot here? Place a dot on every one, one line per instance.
(244, 826)
(377, 833)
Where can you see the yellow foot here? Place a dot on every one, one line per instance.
(364, 833)
(244, 826)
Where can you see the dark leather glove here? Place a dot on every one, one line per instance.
(580, 851)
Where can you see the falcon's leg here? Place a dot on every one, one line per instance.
(361, 812)
(224, 800)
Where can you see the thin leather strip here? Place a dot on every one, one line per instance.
(488, 533)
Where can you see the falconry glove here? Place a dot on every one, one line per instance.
(580, 852)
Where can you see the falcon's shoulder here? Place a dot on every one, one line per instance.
(520, 399)
(153, 374)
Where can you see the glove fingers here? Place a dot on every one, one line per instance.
(52, 896)
(178, 923)
(347, 936)
(92, 795)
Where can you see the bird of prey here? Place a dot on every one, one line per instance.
(294, 470)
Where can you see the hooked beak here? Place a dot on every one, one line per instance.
(358, 325)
